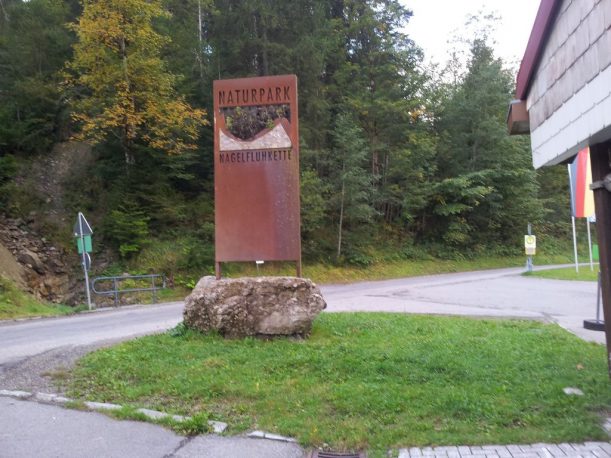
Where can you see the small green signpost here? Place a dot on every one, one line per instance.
(530, 248)
(82, 233)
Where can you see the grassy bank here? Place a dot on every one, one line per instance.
(17, 304)
(369, 381)
(330, 273)
(568, 273)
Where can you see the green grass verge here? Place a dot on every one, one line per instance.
(17, 304)
(329, 273)
(372, 380)
(568, 273)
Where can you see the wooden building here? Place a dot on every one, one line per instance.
(563, 99)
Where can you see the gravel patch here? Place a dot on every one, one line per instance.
(44, 372)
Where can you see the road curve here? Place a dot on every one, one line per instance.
(491, 293)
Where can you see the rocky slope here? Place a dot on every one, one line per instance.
(27, 256)
(35, 264)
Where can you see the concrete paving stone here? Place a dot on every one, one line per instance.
(567, 448)
(414, 451)
(525, 455)
(16, 394)
(404, 453)
(102, 405)
(554, 450)
(514, 449)
(218, 427)
(504, 453)
(156, 415)
(544, 453)
(601, 453)
(212, 446)
(278, 437)
(446, 449)
(606, 446)
(464, 450)
(51, 398)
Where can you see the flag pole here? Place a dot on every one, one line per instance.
(575, 245)
(568, 167)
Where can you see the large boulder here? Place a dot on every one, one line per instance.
(254, 306)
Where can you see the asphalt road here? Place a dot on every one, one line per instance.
(500, 293)
(20, 339)
(493, 293)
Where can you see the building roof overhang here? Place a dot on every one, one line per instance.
(548, 9)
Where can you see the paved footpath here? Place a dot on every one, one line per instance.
(586, 450)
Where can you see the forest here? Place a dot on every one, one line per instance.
(415, 157)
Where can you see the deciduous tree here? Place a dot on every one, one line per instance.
(121, 85)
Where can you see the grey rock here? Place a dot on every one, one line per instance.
(265, 306)
(28, 257)
(572, 391)
(217, 426)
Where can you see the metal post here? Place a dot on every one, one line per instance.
(116, 291)
(590, 244)
(529, 260)
(154, 289)
(575, 245)
(84, 260)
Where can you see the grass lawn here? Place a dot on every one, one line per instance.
(369, 380)
(17, 304)
(568, 273)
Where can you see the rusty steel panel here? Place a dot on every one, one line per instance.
(256, 170)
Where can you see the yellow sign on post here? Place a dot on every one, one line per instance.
(530, 244)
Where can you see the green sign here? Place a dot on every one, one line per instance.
(88, 246)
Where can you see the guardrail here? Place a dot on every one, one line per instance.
(116, 283)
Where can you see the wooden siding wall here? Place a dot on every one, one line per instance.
(571, 80)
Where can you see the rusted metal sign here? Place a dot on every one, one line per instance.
(256, 170)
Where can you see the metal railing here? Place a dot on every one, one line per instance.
(116, 283)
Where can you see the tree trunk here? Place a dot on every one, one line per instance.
(126, 137)
(341, 218)
(3, 10)
(200, 42)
